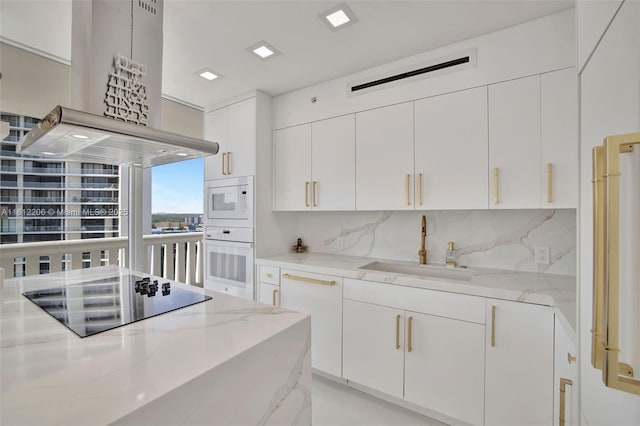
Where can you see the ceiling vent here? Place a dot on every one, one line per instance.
(431, 68)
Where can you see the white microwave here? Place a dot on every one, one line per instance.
(229, 202)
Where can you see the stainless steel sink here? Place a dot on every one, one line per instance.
(432, 271)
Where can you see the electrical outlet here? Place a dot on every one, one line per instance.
(542, 255)
(340, 243)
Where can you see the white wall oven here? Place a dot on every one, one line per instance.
(229, 261)
(229, 202)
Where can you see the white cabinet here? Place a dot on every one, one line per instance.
(333, 153)
(559, 139)
(320, 296)
(384, 158)
(444, 366)
(234, 128)
(451, 145)
(565, 385)
(292, 168)
(519, 364)
(269, 294)
(374, 346)
(514, 144)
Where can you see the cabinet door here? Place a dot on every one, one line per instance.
(519, 364)
(320, 296)
(269, 294)
(384, 158)
(514, 144)
(374, 346)
(292, 168)
(241, 148)
(565, 379)
(333, 163)
(451, 151)
(559, 139)
(216, 130)
(444, 366)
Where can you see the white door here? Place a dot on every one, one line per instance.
(451, 149)
(269, 294)
(216, 130)
(559, 139)
(241, 149)
(519, 364)
(384, 158)
(333, 163)
(320, 296)
(292, 168)
(444, 371)
(514, 144)
(374, 346)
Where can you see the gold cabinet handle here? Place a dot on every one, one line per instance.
(407, 189)
(308, 280)
(409, 324)
(495, 185)
(563, 399)
(228, 162)
(570, 358)
(306, 194)
(398, 331)
(493, 326)
(224, 157)
(268, 275)
(275, 293)
(315, 191)
(549, 183)
(419, 189)
(598, 258)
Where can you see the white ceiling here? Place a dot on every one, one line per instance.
(215, 34)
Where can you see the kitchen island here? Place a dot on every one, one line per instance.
(225, 361)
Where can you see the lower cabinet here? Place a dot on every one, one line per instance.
(565, 385)
(269, 294)
(519, 364)
(320, 296)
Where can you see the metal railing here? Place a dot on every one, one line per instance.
(173, 256)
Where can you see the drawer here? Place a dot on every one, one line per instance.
(268, 274)
(441, 303)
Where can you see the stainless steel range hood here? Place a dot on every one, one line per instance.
(69, 134)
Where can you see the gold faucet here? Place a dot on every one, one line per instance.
(423, 252)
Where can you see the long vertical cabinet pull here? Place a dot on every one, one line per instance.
(549, 183)
(409, 326)
(398, 331)
(563, 399)
(275, 294)
(495, 185)
(493, 326)
(419, 189)
(228, 162)
(407, 189)
(616, 374)
(315, 191)
(306, 194)
(224, 157)
(597, 319)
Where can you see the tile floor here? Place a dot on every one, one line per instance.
(337, 405)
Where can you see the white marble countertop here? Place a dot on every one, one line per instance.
(52, 376)
(557, 291)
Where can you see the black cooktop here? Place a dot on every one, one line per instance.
(99, 305)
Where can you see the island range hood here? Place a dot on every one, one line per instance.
(70, 134)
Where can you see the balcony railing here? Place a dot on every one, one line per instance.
(173, 256)
(58, 171)
(58, 200)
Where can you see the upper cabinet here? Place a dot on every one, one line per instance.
(514, 144)
(533, 160)
(559, 139)
(451, 144)
(314, 165)
(384, 158)
(234, 128)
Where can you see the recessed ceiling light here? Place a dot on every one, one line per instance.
(182, 154)
(137, 164)
(48, 153)
(80, 136)
(263, 50)
(339, 17)
(208, 74)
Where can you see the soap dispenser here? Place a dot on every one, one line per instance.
(450, 258)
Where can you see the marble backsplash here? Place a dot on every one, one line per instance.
(504, 239)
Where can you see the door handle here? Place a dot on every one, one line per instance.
(549, 183)
(224, 157)
(228, 162)
(275, 292)
(419, 188)
(410, 322)
(493, 326)
(563, 399)
(495, 185)
(306, 194)
(407, 190)
(315, 190)
(398, 331)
